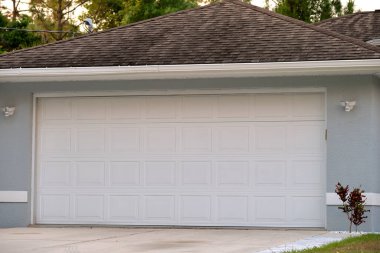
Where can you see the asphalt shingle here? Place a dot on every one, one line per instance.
(364, 26)
(226, 32)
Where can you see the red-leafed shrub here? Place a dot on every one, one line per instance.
(353, 204)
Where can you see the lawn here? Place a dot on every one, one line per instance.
(369, 243)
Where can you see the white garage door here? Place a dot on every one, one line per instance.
(202, 160)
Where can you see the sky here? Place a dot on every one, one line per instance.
(363, 5)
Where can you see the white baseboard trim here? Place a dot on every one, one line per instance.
(373, 199)
(14, 196)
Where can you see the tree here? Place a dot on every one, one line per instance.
(105, 13)
(16, 37)
(312, 10)
(137, 10)
(56, 15)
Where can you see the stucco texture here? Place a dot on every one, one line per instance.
(353, 144)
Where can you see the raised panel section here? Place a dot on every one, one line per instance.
(90, 173)
(55, 207)
(56, 173)
(233, 173)
(233, 139)
(272, 106)
(125, 107)
(198, 107)
(126, 139)
(90, 108)
(159, 208)
(269, 173)
(89, 207)
(308, 138)
(234, 106)
(161, 139)
(270, 209)
(196, 173)
(270, 138)
(307, 173)
(309, 106)
(122, 207)
(57, 109)
(160, 173)
(161, 107)
(232, 208)
(196, 208)
(91, 140)
(125, 173)
(196, 139)
(56, 140)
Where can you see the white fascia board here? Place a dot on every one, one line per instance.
(13, 196)
(373, 199)
(191, 71)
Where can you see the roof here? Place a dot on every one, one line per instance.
(364, 26)
(227, 32)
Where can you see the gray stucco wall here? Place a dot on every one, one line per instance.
(353, 149)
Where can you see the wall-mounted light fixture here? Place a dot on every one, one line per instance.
(348, 105)
(8, 110)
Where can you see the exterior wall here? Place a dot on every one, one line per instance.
(353, 155)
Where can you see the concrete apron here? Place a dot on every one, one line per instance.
(115, 240)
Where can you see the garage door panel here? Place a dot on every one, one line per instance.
(196, 208)
(234, 107)
(232, 209)
(90, 173)
(90, 140)
(309, 106)
(196, 173)
(55, 140)
(124, 208)
(89, 207)
(233, 174)
(204, 160)
(270, 209)
(55, 206)
(270, 173)
(160, 173)
(125, 139)
(89, 108)
(55, 173)
(160, 208)
(125, 173)
(196, 139)
(161, 139)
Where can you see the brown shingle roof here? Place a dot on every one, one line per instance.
(226, 32)
(362, 25)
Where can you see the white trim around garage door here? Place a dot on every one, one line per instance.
(373, 199)
(13, 196)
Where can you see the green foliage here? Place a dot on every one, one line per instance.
(313, 10)
(137, 10)
(55, 15)
(105, 13)
(16, 39)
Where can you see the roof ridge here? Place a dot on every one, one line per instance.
(112, 29)
(310, 26)
(344, 16)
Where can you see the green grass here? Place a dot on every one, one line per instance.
(369, 243)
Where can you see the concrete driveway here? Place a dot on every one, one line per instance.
(130, 240)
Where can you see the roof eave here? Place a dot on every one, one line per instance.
(340, 67)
